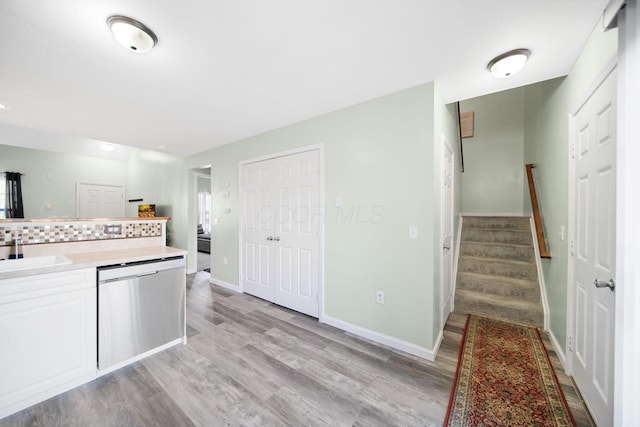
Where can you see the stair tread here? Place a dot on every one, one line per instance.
(506, 280)
(500, 300)
(493, 229)
(497, 244)
(497, 260)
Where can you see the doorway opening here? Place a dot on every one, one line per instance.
(203, 220)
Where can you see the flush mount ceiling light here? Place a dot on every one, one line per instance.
(508, 63)
(4, 107)
(131, 34)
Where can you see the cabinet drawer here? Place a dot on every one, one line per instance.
(28, 287)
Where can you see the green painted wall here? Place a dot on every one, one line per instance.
(493, 179)
(379, 157)
(547, 108)
(50, 178)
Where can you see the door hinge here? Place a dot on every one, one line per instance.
(571, 248)
(573, 151)
(570, 339)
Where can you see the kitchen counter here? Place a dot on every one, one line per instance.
(62, 335)
(99, 259)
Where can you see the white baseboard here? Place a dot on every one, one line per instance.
(392, 342)
(224, 284)
(192, 270)
(494, 214)
(559, 351)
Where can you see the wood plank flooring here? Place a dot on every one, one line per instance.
(252, 363)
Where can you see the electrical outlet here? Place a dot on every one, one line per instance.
(113, 229)
(380, 297)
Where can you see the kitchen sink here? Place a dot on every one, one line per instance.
(33, 262)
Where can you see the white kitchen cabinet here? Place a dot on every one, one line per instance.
(48, 331)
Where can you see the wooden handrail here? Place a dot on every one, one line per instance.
(537, 218)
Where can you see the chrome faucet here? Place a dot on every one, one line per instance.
(16, 249)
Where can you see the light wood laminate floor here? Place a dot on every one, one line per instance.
(252, 363)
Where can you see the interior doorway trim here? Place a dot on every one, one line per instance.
(321, 201)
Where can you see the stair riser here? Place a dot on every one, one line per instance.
(496, 268)
(513, 237)
(481, 250)
(532, 316)
(524, 293)
(497, 223)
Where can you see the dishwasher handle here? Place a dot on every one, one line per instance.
(138, 270)
(127, 277)
(151, 273)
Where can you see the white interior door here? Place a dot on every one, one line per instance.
(257, 229)
(447, 232)
(280, 231)
(99, 200)
(594, 250)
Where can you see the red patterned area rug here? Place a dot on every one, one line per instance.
(505, 378)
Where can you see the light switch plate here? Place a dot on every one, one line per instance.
(338, 202)
(413, 232)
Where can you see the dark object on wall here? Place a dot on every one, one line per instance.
(134, 200)
(14, 207)
(460, 136)
(204, 240)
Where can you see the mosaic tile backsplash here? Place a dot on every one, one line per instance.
(81, 232)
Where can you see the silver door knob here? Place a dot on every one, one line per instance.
(277, 238)
(447, 247)
(600, 284)
(270, 238)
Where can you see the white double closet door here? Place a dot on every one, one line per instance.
(280, 230)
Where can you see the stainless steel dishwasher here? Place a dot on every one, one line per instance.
(141, 306)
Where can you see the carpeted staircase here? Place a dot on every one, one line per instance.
(497, 274)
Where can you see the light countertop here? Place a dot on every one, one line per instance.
(99, 259)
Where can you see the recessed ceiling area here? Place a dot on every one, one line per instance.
(225, 70)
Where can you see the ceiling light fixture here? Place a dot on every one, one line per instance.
(108, 147)
(131, 34)
(508, 63)
(4, 107)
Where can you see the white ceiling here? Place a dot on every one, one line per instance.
(225, 70)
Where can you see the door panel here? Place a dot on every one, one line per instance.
(289, 230)
(298, 227)
(594, 258)
(257, 274)
(100, 200)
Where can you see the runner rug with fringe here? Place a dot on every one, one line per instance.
(505, 378)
